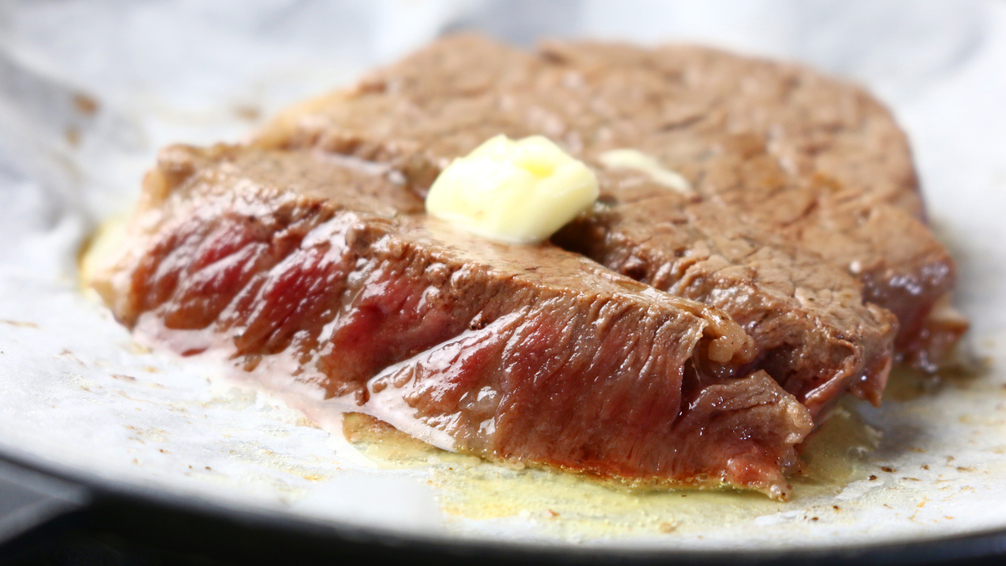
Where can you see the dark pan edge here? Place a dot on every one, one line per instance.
(162, 519)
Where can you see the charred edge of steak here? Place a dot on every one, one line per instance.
(531, 354)
(796, 151)
(814, 335)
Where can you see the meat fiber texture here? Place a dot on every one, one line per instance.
(331, 275)
(804, 224)
(306, 253)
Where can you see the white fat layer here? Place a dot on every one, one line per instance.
(390, 406)
(639, 161)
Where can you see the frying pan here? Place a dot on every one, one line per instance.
(98, 432)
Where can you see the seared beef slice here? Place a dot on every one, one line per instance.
(749, 241)
(295, 262)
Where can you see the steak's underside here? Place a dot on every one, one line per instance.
(532, 354)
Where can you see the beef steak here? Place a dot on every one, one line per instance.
(783, 265)
(323, 276)
(769, 238)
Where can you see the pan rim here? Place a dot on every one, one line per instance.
(975, 545)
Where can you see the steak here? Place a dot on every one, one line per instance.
(323, 275)
(818, 161)
(811, 158)
(771, 256)
(803, 222)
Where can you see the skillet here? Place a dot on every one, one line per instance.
(86, 408)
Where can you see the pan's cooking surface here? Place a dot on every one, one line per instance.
(77, 392)
(128, 525)
(148, 419)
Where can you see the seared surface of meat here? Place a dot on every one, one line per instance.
(815, 335)
(803, 224)
(771, 256)
(326, 271)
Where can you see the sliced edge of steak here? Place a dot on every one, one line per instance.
(314, 277)
(815, 335)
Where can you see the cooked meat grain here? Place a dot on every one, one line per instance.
(814, 159)
(529, 354)
(787, 263)
(800, 181)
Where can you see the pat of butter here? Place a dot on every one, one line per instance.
(517, 192)
(639, 161)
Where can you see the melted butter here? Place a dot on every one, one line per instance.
(577, 506)
(639, 161)
(385, 445)
(836, 453)
(907, 384)
(513, 191)
(96, 250)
